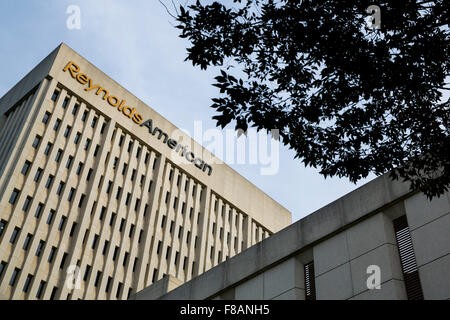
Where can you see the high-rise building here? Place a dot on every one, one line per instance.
(100, 196)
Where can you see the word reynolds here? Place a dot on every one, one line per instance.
(137, 118)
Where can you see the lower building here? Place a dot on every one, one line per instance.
(381, 241)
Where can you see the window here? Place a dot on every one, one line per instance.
(124, 168)
(170, 174)
(150, 185)
(50, 216)
(39, 208)
(108, 189)
(55, 95)
(15, 273)
(154, 275)
(407, 259)
(40, 248)
(178, 180)
(97, 278)
(97, 148)
(60, 187)
(53, 295)
(130, 145)
(102, 213)
(69, 162)
(131, 231)
(133, 174)
(83, 117)
(14, 235)
(58, 155)
(119, 189)
(77, 138)
(116, 249)
(25, 167)
(2, 267)
(119, 289)
(26, 204)
(75, 109)
(38, 174)
(57, 123)
(36, 141)
(113, 215)
(167, 196)
(146, 157)
(89, 175)
(122, 222)
(72, 230)
(3, 224)
(80, 166)
(158, 249)
(86, 273)
(49, 181)
(175, 202)
(14, 195)
(86, 144)
(105, 247)
(140, 236)
(180, 231)
(63, 261)
(163, 220)
(108, 284)
(94, 122)
(94, 243)
(71, 193)
(310, 287)
(27, 241)
(47, 149)
(27, 283)
(80, 203)
(61, 223)
(103, 128)
(136, 205)
(52, 254)
(127, 201)
(167, 252)
(134, 265)
(40, 289)
(65, 102)
(67, 131)
(138, 152)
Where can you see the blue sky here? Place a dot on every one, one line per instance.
(135, 44)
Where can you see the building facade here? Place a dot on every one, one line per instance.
(381, 241)
(100, 196)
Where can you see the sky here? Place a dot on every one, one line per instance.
(135, 43)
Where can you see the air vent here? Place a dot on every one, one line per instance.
(310, 287)
(407, 259)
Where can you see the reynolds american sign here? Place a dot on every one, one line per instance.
(136, 117)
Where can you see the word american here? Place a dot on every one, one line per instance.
(136, 117)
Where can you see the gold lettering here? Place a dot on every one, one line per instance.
(104, 90)
(72, 71)
(82, 78)
(90, 86)
(113, 98)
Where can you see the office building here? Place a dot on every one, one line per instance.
(100, 196)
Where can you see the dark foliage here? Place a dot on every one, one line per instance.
(348, 99)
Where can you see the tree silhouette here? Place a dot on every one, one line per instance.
(347, 98)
